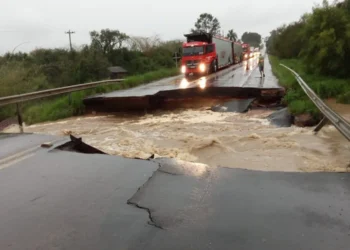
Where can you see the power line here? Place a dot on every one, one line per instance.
(69, 32)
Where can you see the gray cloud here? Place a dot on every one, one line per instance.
(43, 22)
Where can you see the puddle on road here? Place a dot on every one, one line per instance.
(219, 139)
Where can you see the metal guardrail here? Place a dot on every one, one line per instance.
(16, 99)
(51, 92)
(338, 121)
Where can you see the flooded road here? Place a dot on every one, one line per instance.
(227, 139)
(219, 139)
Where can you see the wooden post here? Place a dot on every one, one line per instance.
(20, 121)
(323, 122)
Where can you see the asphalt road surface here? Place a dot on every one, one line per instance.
(239, 81)
(55, 199)
(240, 75)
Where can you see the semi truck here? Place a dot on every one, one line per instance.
(203, 53)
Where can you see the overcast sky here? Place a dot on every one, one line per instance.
(42, 23)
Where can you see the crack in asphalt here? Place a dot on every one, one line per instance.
(151, 222)
(129, 202)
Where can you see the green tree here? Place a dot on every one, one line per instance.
(287, 40)
(232, 35)
(91, 65)
(327, 40)
(207, 23)
(108, 40)
(252, 38)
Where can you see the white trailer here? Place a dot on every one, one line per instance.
(238, 50)
(224, 51)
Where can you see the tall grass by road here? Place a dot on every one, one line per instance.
(325, 87)
(51, 109)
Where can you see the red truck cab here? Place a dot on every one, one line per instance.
(204, 53)
(198, 57)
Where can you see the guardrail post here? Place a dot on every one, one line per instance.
(338, 121)
(70, 98)
(19, 116)
(322, 123)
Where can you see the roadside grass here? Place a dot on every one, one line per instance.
(325, 87)
(54, 108)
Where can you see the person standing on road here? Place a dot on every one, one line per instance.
(261, 66)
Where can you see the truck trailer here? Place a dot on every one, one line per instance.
(238, 52)
(204, 53)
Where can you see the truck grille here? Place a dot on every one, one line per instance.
(192, 63)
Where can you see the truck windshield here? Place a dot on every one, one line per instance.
(189, 51)
(245, 49)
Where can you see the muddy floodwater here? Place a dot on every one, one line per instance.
(220, 139)
(342, 109)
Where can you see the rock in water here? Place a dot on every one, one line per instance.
(238, 105)
(305, 120)
(281, 118)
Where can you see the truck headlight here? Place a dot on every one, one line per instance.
(183, 69)
(202, 67)
(245, 56)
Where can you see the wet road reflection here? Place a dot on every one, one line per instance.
(184, 83)
(235, 76)
(202, 82)
(248, 75)
(245, 74)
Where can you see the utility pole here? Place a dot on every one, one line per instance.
(69, 32)
(176, 57)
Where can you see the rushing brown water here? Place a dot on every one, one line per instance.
(342, 109)
(221, 139)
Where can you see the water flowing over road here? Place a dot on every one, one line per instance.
(226, 139)
(237, 140)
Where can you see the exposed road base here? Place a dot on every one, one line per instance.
(180, 98)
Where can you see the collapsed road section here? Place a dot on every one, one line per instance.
(70, 196)
(177, 92)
